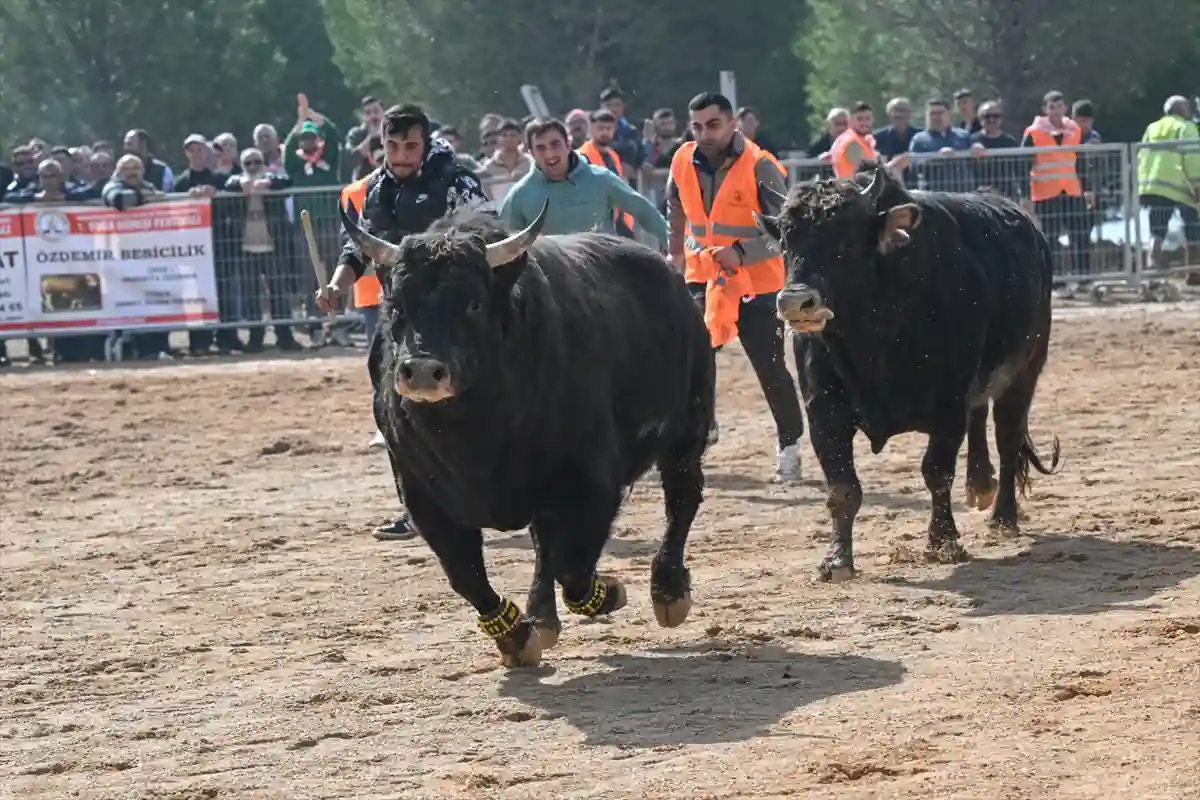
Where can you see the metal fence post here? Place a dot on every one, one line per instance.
(1128, 209)
(1138, 247)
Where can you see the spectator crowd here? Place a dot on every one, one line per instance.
(259, 244)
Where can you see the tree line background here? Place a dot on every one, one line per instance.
(72, 71)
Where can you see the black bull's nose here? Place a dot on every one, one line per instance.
(796, 299)
(424, 374)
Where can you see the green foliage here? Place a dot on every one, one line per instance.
(78, 70)
(853, 57)
(466, 57)
(1121, 55)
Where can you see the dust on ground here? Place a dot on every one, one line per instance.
(193, 607)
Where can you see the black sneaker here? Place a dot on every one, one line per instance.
(399, 530)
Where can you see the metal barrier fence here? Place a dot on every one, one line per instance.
(1102, 236)
(262, 276)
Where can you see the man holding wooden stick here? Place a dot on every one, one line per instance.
(419, 182)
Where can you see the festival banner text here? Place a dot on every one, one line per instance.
(83, 268)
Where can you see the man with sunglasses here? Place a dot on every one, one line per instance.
(1001, 173)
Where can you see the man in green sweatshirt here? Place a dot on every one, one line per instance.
(582, 197)
(312, 158)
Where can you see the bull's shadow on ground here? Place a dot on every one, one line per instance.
(1061, 574)
(695, 695)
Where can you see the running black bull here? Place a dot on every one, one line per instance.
(914, 311)
(529, 381)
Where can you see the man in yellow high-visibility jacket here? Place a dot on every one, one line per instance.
(1169, 179)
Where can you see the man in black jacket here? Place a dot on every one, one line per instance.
(157, 173)
(419, 182)
(199, 181)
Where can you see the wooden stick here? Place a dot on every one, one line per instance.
(314, 255)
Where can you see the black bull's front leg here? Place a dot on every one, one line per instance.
(832, 431)
(460, 551)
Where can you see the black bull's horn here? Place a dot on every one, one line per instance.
(498, 253)
(781, 198)
(512, 248)
(872, 190)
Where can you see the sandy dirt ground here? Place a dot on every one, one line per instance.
(193, 607)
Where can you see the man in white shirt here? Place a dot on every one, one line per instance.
(507, 164)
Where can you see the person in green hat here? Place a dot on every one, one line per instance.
(312, 158)
(307, 157)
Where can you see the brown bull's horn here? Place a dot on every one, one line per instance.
(512, 248)
(374, 248)
(782, 198)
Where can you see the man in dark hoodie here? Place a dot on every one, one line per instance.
(419, 181)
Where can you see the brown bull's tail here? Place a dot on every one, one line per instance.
(1028, 457)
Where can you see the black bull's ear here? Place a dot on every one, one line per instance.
(898, 224)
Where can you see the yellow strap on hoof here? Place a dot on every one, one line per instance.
(590, 607)
(503, 622)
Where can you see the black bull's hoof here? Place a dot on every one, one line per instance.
(838, 564)
(548, 630)
(519, 641)
(946, 551)
(522, 647)
(837, 570)
(981, 498)
(672, 613)
(670, 593)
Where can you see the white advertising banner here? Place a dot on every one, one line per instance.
(86, 267)
(12, 273)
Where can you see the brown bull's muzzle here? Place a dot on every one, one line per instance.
(802, 309)
(424, 380)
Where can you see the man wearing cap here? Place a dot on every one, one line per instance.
(200, 181)
(1169, 179)
(312, 156)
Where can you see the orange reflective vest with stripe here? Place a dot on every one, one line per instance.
(367, 290)
(843, 167)
(1054, 173)
(593, 155)
(730, 219)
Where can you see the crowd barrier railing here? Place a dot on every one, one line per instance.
(241, 261)
(1100, 236)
